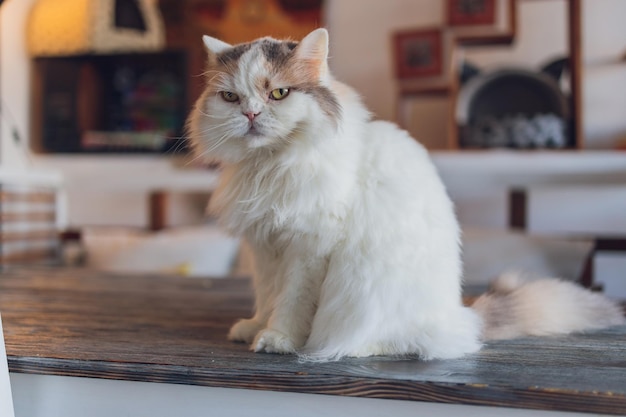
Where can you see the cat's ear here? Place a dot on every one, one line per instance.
(214, 45)
(314, 48)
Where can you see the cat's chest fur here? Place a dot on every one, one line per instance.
(278, 201)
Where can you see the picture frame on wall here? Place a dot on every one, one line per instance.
(423, 58)
(418, 53)
(471, 12)
(482, 22)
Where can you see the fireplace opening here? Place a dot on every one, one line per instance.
(513, 108)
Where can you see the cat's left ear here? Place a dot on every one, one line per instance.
(214, 45)
(314, 49)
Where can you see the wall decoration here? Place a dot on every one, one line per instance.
(111, 103)
(423, 59)
(481, 22)
(77, 27)
(471, 12)
(418, 53)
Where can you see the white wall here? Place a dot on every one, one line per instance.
(541, 36)
(14, 82)
(360, 43)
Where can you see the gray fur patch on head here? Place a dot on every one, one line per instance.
(233, 54)
(277, 53)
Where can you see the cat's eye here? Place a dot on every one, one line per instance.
(230, 97)
(279, 93)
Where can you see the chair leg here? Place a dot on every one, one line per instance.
(586, 276)
(157, 211)
(605, 245)
(518, 207)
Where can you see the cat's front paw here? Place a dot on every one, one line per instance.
(273, 341)
(244, 330)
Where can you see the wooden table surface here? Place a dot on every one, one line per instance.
(173, 330)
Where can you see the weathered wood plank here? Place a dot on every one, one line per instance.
(29, 235)
(27, 196)
(172, 329)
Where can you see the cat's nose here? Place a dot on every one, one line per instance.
(251, 115)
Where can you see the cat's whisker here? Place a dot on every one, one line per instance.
(213, 116)
(226, 136)
(210, 71)
(181, 143)
(196, 157)
(206, 151)
(215, 127)
(220, 78)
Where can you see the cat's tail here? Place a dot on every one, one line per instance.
(517, 307)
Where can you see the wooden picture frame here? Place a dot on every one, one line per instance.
(482, 22)
(471, 12)
(423, 59)
(418, 53)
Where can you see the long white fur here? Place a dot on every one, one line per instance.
(355, 239)
(517, 307)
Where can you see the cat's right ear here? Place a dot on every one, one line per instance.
(314, 46)
(314, 49)
(213, 45)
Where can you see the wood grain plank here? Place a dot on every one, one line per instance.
(29, 235)
(31, 196)
(22, 216)
(173, 329)
(30, 255)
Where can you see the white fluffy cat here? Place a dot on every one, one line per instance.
(355, 239)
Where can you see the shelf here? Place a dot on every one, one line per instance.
(119, 103)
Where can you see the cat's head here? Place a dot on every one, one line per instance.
(263, 96)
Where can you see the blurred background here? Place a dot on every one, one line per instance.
(509, 95)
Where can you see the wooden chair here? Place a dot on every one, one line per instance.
(28, 225)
